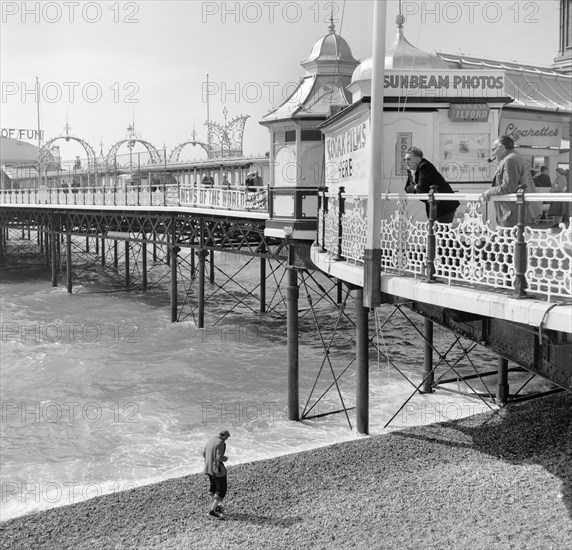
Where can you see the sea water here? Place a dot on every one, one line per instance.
(100, 392)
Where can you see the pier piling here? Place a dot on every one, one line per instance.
(201, 307)
(262, 285)
(174, 265)
(292, 294)
(69, 262)
(127, 268)
(362, 360)
(428, 375)
(502, 387)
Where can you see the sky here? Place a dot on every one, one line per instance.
(102, 65)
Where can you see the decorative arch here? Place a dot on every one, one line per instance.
(47, 157)
(226, 141)
(176, 152)
(154, 155)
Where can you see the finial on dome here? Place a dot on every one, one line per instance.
(332, 27)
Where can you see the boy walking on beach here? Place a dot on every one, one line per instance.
(214, 458)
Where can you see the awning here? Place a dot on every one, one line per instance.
(531, 87)
(20, 173)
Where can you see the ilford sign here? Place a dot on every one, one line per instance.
(467, 112)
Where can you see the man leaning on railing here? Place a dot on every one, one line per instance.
(512, 172)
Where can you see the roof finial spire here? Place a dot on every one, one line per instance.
(332, 27)
(400, 19)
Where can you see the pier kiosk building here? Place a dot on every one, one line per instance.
(297, 150)
(453, 112)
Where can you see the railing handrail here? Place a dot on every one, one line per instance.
(467, 197)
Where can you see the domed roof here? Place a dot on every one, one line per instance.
(401, 55)
(331, 47)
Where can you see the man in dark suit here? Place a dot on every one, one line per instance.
(543, 180)
(421, 177)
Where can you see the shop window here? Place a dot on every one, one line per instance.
(312, 135)
(290, 136)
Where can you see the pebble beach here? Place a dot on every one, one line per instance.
(499, 480)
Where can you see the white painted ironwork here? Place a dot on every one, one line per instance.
(331, 223)
(354, 231)
(403, 242)
(549, 260)
(470, 251)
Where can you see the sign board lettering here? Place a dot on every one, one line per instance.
(469, 112)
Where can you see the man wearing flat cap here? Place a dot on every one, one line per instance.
(214, 467)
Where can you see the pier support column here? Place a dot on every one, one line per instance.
(428, 375)
(262, 285)
(58, 242)
(339, 292)
(362, 360)
(47, 245)
(2, 245)
(115, 260)
(174, 266)
(127, 268)
(69, 262)
(193, 266)
(201, 313)
(54, 251)
(96, 246)
(144, 262)
(87, 245)
(211, 267)
(292, 294)
(102, 251)
(502, 387)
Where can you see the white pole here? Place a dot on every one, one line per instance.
(372, 253)
(39, 134)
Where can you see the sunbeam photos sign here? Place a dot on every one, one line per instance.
(445, 84)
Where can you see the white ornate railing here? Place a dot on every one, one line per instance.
(468, 251)
(168, 195)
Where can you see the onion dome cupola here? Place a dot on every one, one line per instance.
(329, 69)
(331, 54)
(401, 56)
(296, 139)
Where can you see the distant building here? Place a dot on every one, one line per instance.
(18, 160)
(563, 61)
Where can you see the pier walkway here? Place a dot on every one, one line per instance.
(508, 288)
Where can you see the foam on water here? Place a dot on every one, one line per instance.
(100, 392)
